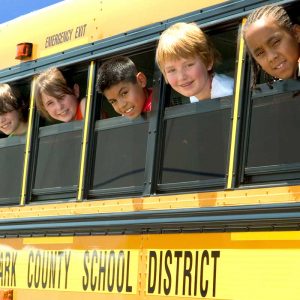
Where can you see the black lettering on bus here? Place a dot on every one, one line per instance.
(61, 37)
(159, 272)
(167, 285)
(85, 278)
(187, 267)
(120, 265)
(67, 265)
(47, 42)
(37, 269)
(196, 273)
(13, 281)
(80, 31)
(1, 267)
(61, 254)
(215, 255)
(178, 255)
(52, 270)
(7, 269)
(111, 268)
(29, 275)
(102, 270)
(152, 263)
(128, 287)
(45, 271)
(203, 290)
(93, 278)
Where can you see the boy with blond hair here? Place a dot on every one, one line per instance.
(187, 59)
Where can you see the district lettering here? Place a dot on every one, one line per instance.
(183, 273)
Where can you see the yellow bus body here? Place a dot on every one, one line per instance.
(236, 265)
(272, 195)
(69, 24)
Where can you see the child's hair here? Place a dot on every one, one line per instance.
(10, 100)
(52, 83)
(281, 17)
(116, 70)
(185, 40)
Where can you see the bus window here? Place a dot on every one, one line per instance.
(59, 144)
(225, 43)
(273, 145)
(197, 134)
(121, 143)
(14, 99)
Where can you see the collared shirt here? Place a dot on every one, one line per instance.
(148, 102)
(221, 86)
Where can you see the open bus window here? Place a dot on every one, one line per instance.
(126, 85)
(14, 102)
(60, 95)
(259, 76)
(59, 144)
(121, 144)
(196, 138)
(225, 44)
(273, 146)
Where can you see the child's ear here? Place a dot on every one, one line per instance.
(141, 79)
(296, 31)
(210, 66)
(76, 90)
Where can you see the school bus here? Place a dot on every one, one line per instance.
(191, 200)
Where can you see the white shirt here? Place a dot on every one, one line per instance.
(221, 86)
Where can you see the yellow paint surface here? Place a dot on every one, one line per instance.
(73, 23)
(181, 266)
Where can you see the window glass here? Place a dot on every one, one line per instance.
(11, 171)
(58, 156)
(196, 141)
(60, 133)
(121, 141)
(120, 156)
(275, 119)
(14, 102)
(197, 134)
(225, 43)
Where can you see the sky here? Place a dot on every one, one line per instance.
(11, 9)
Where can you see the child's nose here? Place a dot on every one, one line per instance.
(272, 54)
(59, 105)
(122, 102)
(182, 74)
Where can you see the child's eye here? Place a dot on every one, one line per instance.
(259, 53)
(275, 43)
(112, 101)
(124, 93)
(169, 71)
(190, 64)
(49, 103)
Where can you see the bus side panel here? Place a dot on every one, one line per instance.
(237, 265)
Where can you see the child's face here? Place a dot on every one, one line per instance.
(9, 122)
(189, 77)
(128, 98)
(63, 109)
(274, 48)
